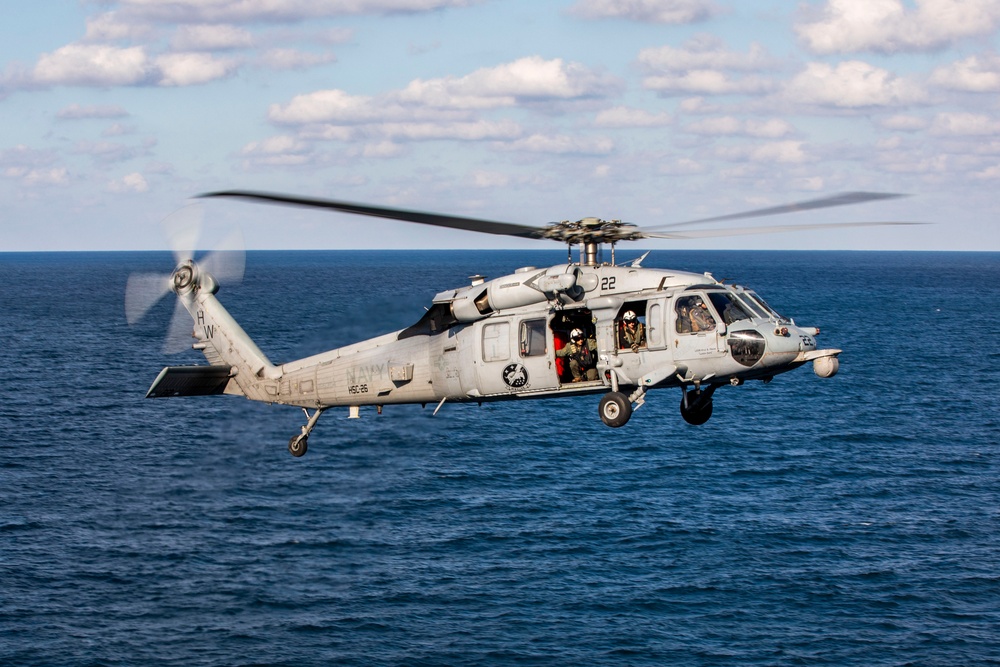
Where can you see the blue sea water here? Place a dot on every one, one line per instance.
(850, 521)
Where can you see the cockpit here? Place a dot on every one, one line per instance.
(695, 313)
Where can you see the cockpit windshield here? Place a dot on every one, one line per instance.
(729, 307)
(763, 304)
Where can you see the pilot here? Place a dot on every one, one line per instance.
(631, 333)
(683, 317)
(701, 319)
(582, 354)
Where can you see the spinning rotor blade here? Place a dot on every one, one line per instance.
(774, 229)
(183, 229)
(435, 219)
(179, 331)
(142, 292)
(227, 262)
(843, 199)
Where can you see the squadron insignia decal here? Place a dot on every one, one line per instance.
(515, 376)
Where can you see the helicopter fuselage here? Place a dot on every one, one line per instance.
(501, 340)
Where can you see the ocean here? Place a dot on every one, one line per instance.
(849, 521)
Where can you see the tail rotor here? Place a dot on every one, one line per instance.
(225, 264)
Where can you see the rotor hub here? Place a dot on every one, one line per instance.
(183, 278)
(592, 230)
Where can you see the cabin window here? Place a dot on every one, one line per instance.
(630, 326)
(496, 341)
(532, 339)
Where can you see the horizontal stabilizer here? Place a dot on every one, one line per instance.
(190, 381)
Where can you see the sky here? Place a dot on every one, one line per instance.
(116, 112)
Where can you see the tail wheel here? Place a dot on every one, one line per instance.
(298, 445)
(615, 409)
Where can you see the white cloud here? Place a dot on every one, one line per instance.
(278, 151)
(773, 128)
(107, 152)
(697, 105)
(109, 27)
(252, 11)
(903, 123)
(647, 11)
(34, 177)
(704, 66)
(525, 79)
(117, 130)
(448, 108)
(293, 59)
(188, 69)
(621, 116)
(79, 112)
(93, 65)
(964, 124)
(463, 131)
(975, 74)
(561, 145)
(134, 182)
(851, 84)
(887, 26)
(213, 37)
(381, 149)
(490, 179)
(682, 166)
(989, 174)
(778, 151)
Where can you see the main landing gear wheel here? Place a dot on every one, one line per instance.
(696, 408)
(298, 445)
(615, 409)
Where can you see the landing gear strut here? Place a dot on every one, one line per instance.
(300, 443)
(615, 409)
(696, 405)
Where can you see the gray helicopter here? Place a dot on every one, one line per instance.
(583, 327)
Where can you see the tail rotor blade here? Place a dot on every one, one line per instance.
(179, 332)
(183, 230)
(228, 262)
(142, 292)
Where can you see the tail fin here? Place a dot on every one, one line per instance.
(220, 338)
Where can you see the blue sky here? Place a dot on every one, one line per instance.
(650, 111)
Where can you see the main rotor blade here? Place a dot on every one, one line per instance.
(421, 217)
(142, 292)
(773, 229)
(842, 199)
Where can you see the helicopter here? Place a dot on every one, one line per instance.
(584, 327)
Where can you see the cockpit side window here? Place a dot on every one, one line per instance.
(728, 307)
(693, 315)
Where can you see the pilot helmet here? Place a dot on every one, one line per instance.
(576, 333)
(629, 316)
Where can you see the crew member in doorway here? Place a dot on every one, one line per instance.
(631, 333)
(582, 354)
